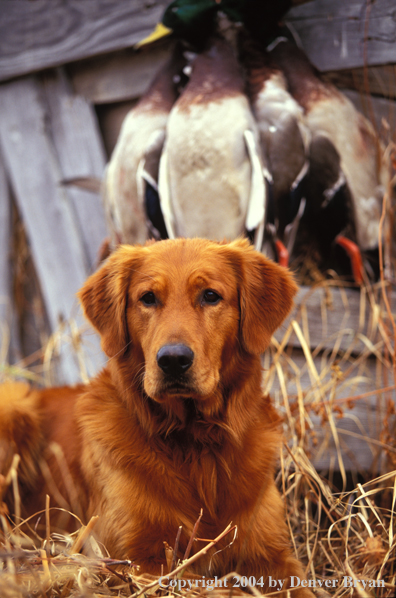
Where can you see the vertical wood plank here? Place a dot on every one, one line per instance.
(5, 262)
(81, 155)
(35, 177)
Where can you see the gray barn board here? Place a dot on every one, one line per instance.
(337, 35)
(5, 261)
(10, 346)
(81, 156)
(335, 315)
(36, 177)
(49, 33)
(118, 76)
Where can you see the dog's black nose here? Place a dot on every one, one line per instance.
(175, 359)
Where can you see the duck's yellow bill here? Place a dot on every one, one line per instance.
(159, 31)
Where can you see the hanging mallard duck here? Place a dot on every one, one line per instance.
(233, 197)
(213, 181)
(211, 173)
(130, 190)
(284, 140)
(252, 143)
(347, 176)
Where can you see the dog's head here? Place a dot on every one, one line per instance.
(184, 313)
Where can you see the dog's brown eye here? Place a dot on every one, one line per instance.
(211, 297)
(148, 299)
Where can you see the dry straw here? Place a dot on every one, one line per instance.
(344, 530)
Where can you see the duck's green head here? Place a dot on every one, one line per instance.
(195, 21)
(191, 20)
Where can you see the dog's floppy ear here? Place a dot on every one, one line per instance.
(266, 297)
(104, 299)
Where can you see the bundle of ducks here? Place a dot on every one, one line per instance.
(238, 134)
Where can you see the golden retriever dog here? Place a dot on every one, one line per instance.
(176, 422)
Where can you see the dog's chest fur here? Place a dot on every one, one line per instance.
(185, 477)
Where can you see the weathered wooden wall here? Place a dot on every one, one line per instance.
(49, 33)
(344, 35)
(47, 136)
